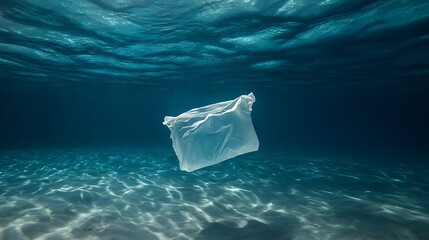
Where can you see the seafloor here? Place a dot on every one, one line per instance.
(139, 193)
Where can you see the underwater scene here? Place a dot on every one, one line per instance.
(214, 119)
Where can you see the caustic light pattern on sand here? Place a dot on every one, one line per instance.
(140, 194)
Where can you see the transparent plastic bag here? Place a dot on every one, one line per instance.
(211, 134)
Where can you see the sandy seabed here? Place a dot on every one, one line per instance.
(140, 193)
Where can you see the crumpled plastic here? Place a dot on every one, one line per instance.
(211, 134)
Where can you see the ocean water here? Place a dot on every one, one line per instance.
(341, 113)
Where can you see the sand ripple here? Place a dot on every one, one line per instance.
(139, 193)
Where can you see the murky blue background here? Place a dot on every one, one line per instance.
(86, 84)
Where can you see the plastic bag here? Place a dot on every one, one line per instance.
(209, 135)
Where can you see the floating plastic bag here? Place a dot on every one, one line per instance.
(209, 135)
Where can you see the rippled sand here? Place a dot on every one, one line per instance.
(136, 193)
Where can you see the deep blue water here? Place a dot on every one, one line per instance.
(341, 112)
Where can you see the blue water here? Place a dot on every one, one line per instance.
(140, 193)
(341, 113)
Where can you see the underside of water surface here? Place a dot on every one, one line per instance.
(340, 119)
